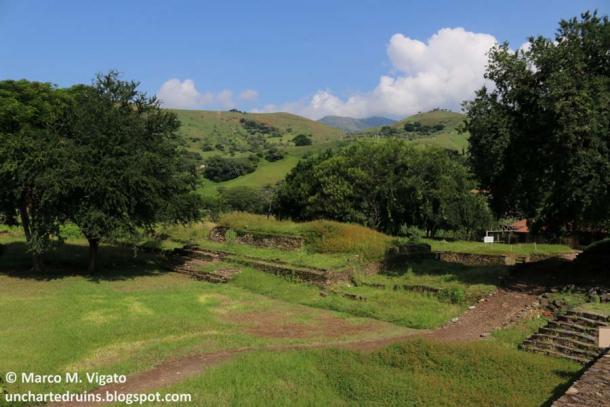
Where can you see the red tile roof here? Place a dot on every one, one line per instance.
(520, 226)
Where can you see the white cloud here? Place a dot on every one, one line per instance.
(183, 94)
(248, 95)
(225, 99)
(441, 72)
(178, 93)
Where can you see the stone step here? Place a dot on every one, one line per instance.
(567, 334)
(566, 350)
(565, 341)
(577, 359)
(591, 316)
(203, 276)
(582, 320)
(570, 326)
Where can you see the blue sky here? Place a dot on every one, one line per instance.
(310, 57)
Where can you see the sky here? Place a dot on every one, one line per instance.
(313, 58)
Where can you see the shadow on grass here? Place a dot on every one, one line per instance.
(114, 263)
(454, 271)
(560, 390)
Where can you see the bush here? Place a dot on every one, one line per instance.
(254, 127)
(302, 140)
(220, 169)
(273, 154)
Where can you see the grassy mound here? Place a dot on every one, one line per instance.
(321, 236)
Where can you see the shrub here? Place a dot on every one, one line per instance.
(273, 154)
(302, 140)
(252, 126)
(222, 168)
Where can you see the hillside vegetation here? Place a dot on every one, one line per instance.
(435, 128)
(268, 141)
(201, 127)
(353, 125)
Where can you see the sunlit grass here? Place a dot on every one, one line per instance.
(521, 249)
(415, 373)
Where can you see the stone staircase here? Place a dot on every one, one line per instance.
(572, 335)
(192, 268)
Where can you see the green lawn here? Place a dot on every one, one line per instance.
(134, 315)
(409, 309)
(520, 249)
(415, 373)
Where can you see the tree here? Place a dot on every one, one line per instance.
(301, 140)
(218, 168)
(539, 140)
(31, 159)
(383, 184)
(127, 168)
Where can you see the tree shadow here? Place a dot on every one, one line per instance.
(115, 262)
(457, 272)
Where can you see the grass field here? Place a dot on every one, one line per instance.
(134, 314)
(520, 249)
(415, 373)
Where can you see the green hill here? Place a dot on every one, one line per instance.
(449, 119)
(435, 128)
(236, 130)
(239, 134)
(354, 125)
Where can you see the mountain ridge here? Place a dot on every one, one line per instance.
(351, 124)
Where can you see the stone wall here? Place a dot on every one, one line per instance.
(470, 259)
(284, 242)
(592, 389)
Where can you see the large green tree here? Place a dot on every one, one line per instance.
(32, 187)
(384, 184)
(127, 164)
(540, 137)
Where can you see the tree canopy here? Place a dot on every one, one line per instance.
(105, 157)
(127, 167)
(384, 184)
(31, 161)
(540, 137)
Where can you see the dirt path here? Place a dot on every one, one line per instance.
(495, 311)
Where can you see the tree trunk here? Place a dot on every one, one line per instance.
(93, 246)
(25, 221)
(37, 259)
(37, 262)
